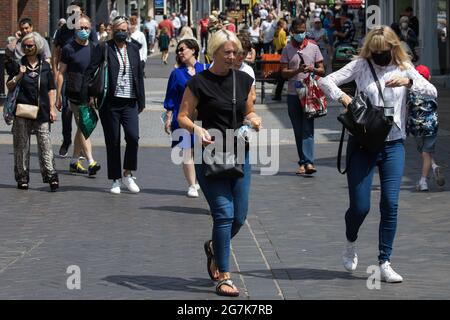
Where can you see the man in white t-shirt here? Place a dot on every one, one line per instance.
(263, 13)
(177, 25)
(151, 27)
(268, 29)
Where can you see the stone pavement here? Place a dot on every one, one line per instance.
(150, 245)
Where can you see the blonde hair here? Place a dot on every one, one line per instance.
(381, 37)
(219, 38)
(38, 41)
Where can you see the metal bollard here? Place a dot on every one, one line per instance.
(2, 76)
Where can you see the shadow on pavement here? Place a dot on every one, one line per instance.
(167, 192)
(178, 209)
(302, 274)
(161, 283)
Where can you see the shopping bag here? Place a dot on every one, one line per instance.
(88, 120)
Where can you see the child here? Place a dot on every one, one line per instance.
(164, 45)
(423, 125)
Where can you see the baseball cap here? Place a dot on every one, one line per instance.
(317, 20)
(424, 71)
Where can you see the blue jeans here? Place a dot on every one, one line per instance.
(228, 202)
(361, 168)
(303, 130)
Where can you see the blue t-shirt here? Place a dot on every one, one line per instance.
(175, 89)
(76, 57)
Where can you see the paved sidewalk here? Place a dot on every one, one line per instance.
(149, 246)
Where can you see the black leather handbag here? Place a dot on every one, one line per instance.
(225, 165)
(366, 122)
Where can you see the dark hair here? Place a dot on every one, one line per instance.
(25, 21)
(165, 16)
(191, 44)
(245, 41)
(297, 22)
(77, 3)
(409, 9)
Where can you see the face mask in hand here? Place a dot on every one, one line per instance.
(382, 59)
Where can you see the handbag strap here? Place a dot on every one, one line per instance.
(339, 157)
(234, 101)
(39, 82)
(376, 80)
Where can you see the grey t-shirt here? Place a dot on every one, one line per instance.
(311, 55)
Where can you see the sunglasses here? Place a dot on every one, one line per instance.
(29, 46)
(122, 18)
(84, 28)
(181, 49)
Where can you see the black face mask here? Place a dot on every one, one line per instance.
(120, 36)
(382, 59)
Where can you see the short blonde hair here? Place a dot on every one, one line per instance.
(381, 37)
(38, 41)
(219, 38)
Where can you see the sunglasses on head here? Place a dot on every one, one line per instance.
(121, 17)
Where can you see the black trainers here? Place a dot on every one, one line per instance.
(64, 150)
(76, 167)
(93, 168)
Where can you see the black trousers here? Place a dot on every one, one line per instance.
(120, 112)
(66, 119)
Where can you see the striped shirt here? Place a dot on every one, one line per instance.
(124, 88)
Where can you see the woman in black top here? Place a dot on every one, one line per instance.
(36, 87)
(211, 94)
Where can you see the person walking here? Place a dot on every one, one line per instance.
(204, 33)
(394, 70)
(151, 27)
(63, 36)
(139, 37)
(279, 42)
(76, 57)
(301, 57)
(37, 88)
(268, 28)
(187, 52)
(163, 44)
(124, 101)
(211, 94)
(423, 126)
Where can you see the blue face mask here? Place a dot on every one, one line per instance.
(299, 37)
(83, 34)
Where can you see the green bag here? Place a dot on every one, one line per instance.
(88, 120)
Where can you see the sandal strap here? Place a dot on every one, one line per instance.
(227, 282)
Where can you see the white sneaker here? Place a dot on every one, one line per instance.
(115, 189)
(422, 186)
(192, 192)
(197, 186)
(349, 256)
(128, 181)
(388, 274)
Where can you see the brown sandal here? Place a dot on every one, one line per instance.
(227, 282)
(210, 259)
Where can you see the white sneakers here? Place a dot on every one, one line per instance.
(422, 185)
(350, 257)
(115, 189)
(193, 191)
(128, 181)
(388, 274)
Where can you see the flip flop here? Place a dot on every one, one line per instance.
(226, 282)
(210, 259)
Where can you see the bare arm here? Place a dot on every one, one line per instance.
(250, 114)
(59, 84)
(187, 112)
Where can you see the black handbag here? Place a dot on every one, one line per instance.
(366, 122)
(98, 84)
(225, 165)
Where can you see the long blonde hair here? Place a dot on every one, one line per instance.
(381, 37)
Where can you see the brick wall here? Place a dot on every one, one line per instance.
(11, 11)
